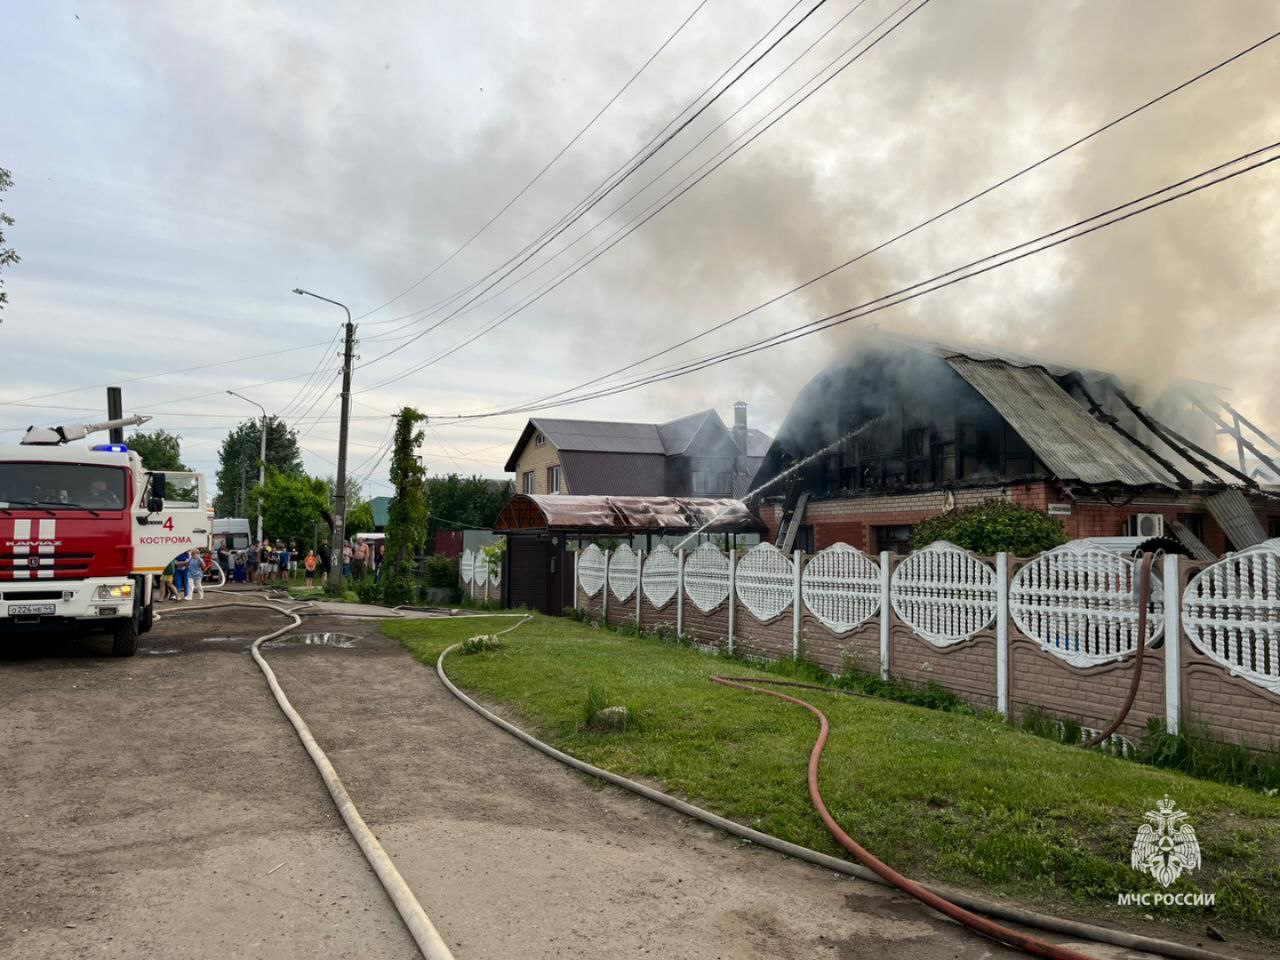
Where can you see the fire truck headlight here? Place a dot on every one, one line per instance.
(115, 593)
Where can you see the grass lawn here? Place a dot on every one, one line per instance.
(946, 797)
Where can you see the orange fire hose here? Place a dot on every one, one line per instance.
(1144, 598)
(989, 928)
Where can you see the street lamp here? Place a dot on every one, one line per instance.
(262, 455)
(340, 495)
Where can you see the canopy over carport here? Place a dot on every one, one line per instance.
(625, 515)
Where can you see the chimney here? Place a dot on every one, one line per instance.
(740, 436)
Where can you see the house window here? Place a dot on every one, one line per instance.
(895, 539)
(553, 479)
(712, 482)
(539, 440)
(1273, 526)
(528, 482)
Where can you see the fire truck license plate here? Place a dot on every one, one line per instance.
(32, 609)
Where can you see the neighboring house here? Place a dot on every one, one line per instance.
(694, 456)
(381, 507)
(905, 429)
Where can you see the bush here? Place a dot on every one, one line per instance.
(991, 527)
(368, 590)
(1192, 750)
(441, 571)
(398, 590)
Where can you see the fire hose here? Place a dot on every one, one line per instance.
(1142, 588)
(957, 899)
(1014, 938)
(411, 912)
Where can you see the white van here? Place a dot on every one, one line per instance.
(231, 534)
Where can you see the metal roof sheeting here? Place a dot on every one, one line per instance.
(626, 514)
(1070, 442)
(624, 474)
(1236, 518)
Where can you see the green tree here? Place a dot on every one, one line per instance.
(8, 256)
(159, 450)
(292, 505)
(993, 526)
(238, 461)
(407, 518)
(464, 502)
(360, 518)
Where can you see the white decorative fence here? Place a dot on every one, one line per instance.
(841, 587)
(944, 593)
(765, 581)
(1076, 603)
(661, 578)
(706, 577)
(623, 573)
(467, 566)
(1231, 613)
(591, 569)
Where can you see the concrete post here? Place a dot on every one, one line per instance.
(797, 562)
(1172, 644)
(885, 560)
(680, 592)
(639, 578)
(604, 593)
(733, 593)
(1002, 633)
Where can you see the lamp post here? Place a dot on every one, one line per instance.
(340, 494)
(262, 454)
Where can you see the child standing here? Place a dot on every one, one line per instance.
(195, 575)
(310, 563)
(282, 561)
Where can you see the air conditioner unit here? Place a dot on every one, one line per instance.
(1146, 525)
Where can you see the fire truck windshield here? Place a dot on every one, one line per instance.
(65, 486)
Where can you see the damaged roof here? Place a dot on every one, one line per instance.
(626, 515)
(1070, 442)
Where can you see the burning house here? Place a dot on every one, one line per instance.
(905, 429)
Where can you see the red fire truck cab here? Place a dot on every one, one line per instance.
(83, 533)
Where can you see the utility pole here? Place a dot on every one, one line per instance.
(115, 411)
(340, 494)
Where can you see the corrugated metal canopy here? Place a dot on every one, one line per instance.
(1070, 442)
(624, 515)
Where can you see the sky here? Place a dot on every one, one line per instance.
(179, 168)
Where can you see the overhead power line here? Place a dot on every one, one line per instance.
(990, 188)
(654, 209)
(1245, 163)
(550, 163)
(728, 118)
(598, 194)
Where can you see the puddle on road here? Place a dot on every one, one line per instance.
(343, 640)
(160, 653)
(223, 640)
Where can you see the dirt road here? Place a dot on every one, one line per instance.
(161, 806)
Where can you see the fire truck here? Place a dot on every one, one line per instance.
(85, 530)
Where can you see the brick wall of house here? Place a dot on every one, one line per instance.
(853, 520)
(538, 459)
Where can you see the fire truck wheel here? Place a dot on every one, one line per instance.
(124, 640)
